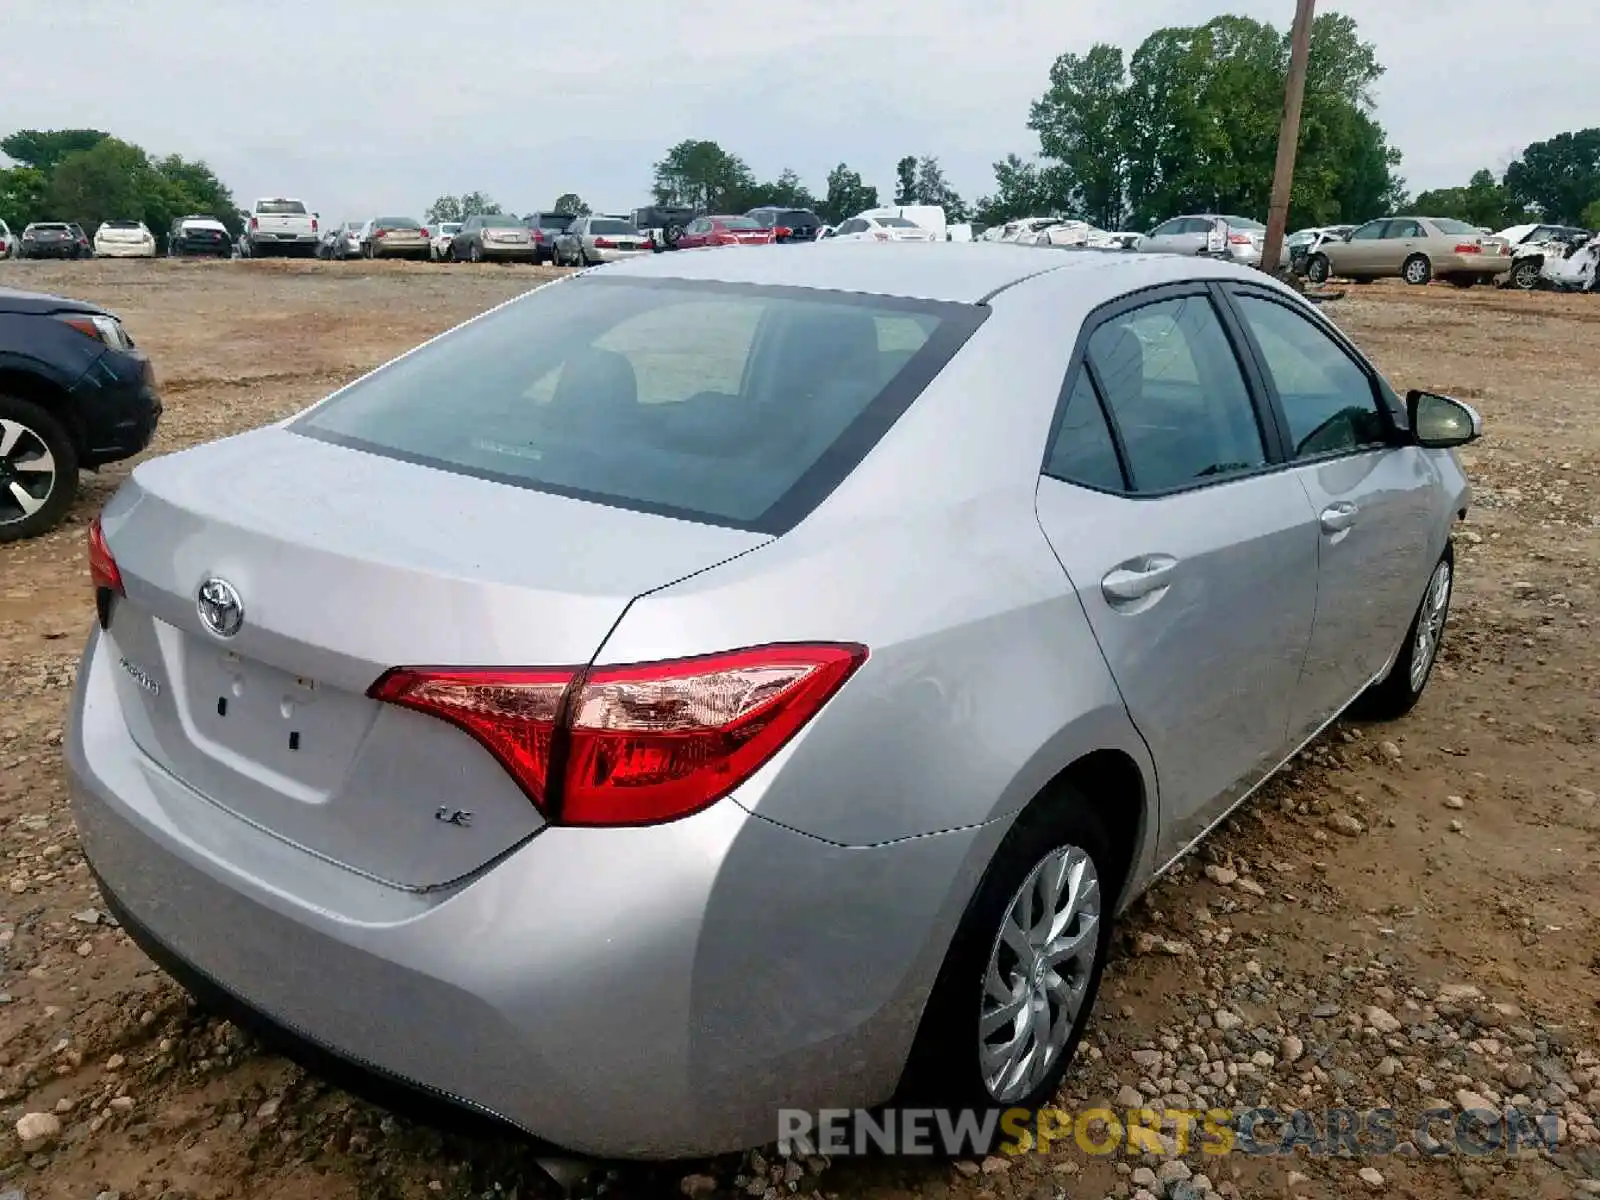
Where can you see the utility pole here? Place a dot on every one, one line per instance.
(1288, 135)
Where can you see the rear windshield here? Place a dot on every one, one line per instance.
(119, 225)
(737, 222)
(398, 223)
(611, 226)
(501, 222)
(796, 216)
(555, 220)
(1454, 228)
(450, 227)
(726, 404)
(281, 208)
(50, 226)
(895, 222)
(1244, 223)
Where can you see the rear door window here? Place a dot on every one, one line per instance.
(1083, 451)
(1177, 394)
(726, 404)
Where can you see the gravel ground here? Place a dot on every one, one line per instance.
(1401, 921)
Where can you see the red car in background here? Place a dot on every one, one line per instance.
(723, 231)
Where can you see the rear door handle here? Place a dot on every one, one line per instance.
(1138, 578)
(1336, 518)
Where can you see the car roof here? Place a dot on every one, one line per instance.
(957, 272)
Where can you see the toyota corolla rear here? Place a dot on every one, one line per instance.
(412, 726)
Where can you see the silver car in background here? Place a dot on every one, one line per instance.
(599, 239)
(725, 682)
(1243, 240)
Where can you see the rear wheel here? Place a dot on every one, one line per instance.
(1525, 275)
(38, 470)
(1417, 270)
(1318, 268)
(476, 253)
(1020, 978)
(1397, 693)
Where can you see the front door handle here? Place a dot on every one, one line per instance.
(1138, 578)
(1336, 518)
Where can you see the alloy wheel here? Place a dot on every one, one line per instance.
(1430, 625)
(1039, 972)
(1526, 276)
(27, 471)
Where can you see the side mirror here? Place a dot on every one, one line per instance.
(1439, 423)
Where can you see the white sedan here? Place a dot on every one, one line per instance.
(124, 239)
(880, 229)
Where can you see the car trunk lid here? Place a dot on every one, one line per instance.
(346, 564)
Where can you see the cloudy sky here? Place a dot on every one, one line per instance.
(358, 106)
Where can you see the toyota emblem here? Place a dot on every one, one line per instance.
(220, 607)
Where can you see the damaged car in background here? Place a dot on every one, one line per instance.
(1567, 261)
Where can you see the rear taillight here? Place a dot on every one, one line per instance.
(633, 745)
(423, 232)
(882, 237)
(1469, 248)
(782, 231)
(313, 224)
(1239, 239)
(102, 567)
(254, 224)
(380, 233)
(103, 571)
(601, 243)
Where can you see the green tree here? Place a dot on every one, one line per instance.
(110, 181)
(847, 196)
(185, 187)
(1022, 189)
(22, 196)
(1191, 125)
(570, 202)
(1081, 123)
(1591, 216)
(786, 191)
(42, 149)
(931, 187)
(1560, 177)
(701, 174)
(1483, 202)
(459, 208)
(905, 180)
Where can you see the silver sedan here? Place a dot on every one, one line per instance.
(729, 682)
(591, 240)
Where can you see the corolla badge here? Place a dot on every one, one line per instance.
(220, 607)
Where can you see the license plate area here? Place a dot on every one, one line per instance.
(258, 719)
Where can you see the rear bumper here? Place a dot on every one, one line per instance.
(381, 249)
(125, 249)
(51, 250)
(117, 407)
(606, 256)
(1471, 264)
(527, 251)
(655, 992)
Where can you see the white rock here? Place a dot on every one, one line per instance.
(36, 1130)
(1382, 1019)
(1174, 1170)
(1226, 1020)
(1371, 1176)
(1291, 1049)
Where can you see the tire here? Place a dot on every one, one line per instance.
(1318, 269)
(34, 436)
(1525, 274)
(583, 255)
(1417, 270)
(475, 254)
(1397, 693)
(952, 1063)
(671, 234)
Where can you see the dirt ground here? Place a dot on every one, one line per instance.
(1437, 950)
